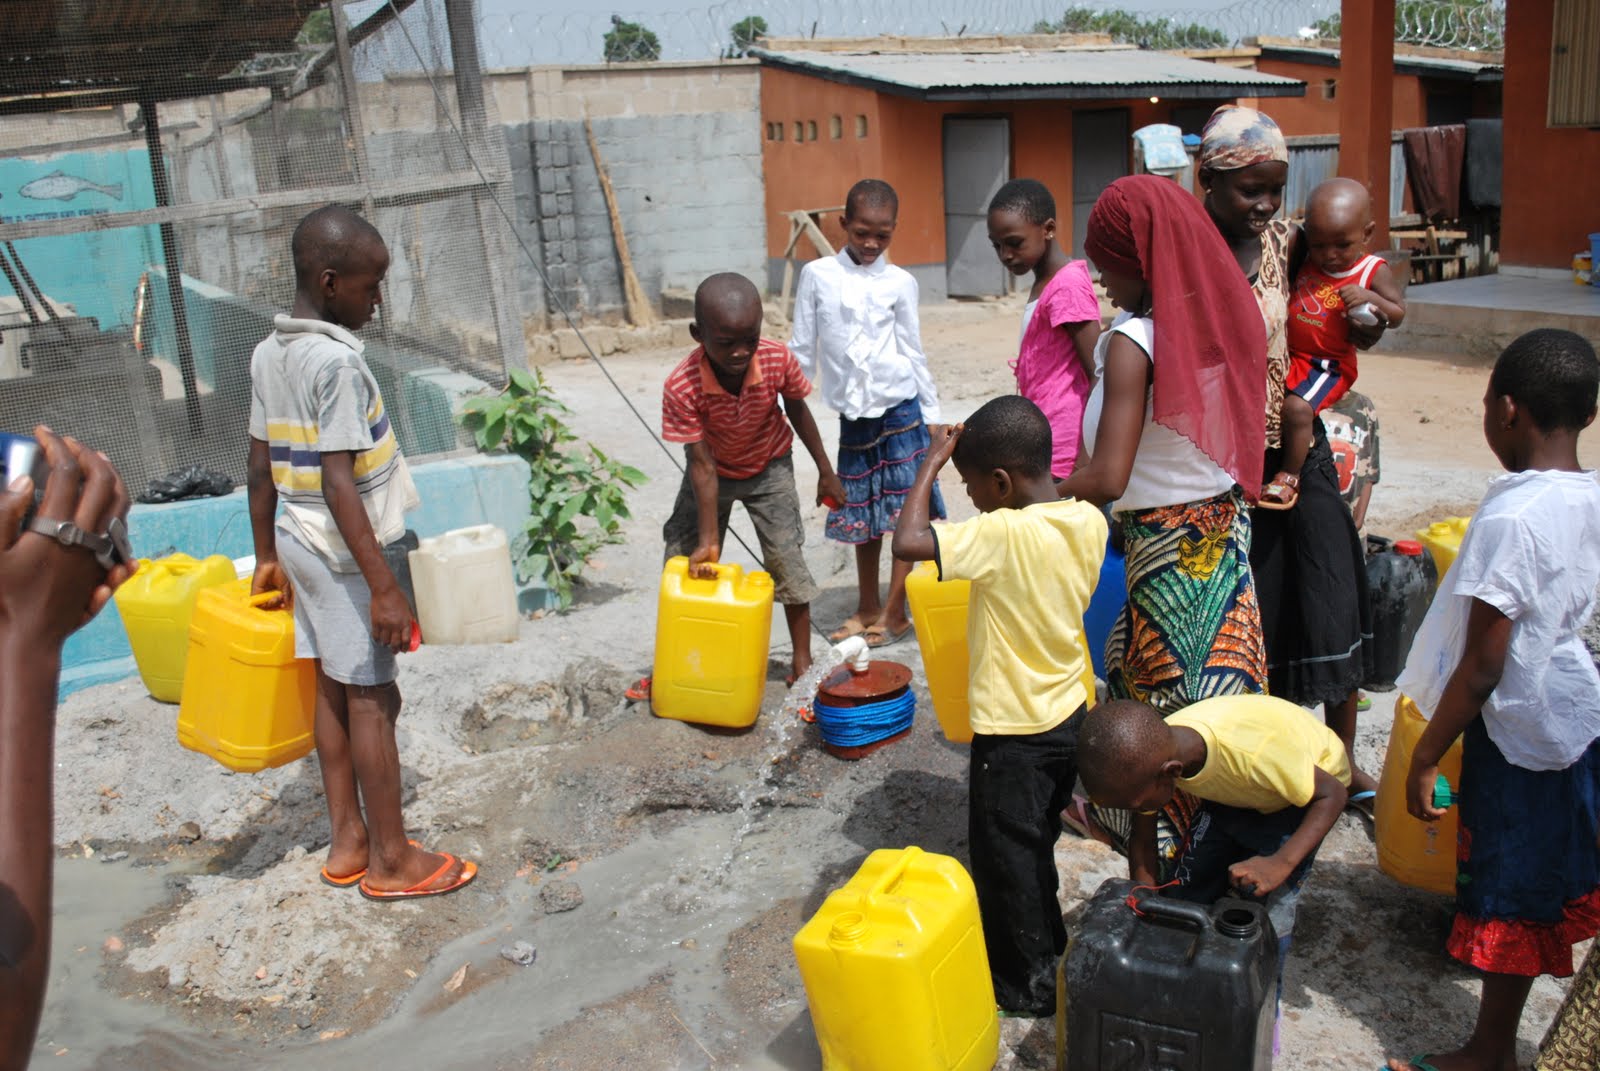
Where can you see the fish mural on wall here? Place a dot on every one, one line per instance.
(60, 186)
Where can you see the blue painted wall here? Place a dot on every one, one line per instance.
(455, 494)
(98, 272)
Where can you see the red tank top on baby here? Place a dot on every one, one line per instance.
(1318, 329)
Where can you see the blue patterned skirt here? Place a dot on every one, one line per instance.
(878, 462)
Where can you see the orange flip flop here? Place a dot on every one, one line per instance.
(469, 871)
(342, 882)
(639, 691)
(347, 880)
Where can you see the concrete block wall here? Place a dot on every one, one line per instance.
(682, 146)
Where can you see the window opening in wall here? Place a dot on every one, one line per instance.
(1330, 88)
(811, 130)
(835, 128)
(799, 130)
(774, 131)
(861, 126)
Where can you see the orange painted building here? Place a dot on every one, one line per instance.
(1551, 173)
(1426, 90)
(947, 128)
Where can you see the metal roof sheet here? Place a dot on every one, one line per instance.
(1404, 62)
(1081, 74)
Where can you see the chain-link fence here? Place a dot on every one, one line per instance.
(145, 237)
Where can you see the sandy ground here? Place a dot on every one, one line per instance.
(660, 870)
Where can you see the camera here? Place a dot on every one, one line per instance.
(20, 456)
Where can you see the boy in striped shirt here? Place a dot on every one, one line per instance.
(321, 441)
(721, 402)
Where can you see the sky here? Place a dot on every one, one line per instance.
(523, 32)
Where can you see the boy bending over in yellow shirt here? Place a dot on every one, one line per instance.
(1272, 778)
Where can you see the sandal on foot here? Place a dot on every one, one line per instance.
(1417, 1063)
(1364, 703)
(1282, 493)
(425, 886)
(807, 715)
(638, 691)
(881, 636)
(347, 880)
(852, 627)
(1363, 803)
(342, 882)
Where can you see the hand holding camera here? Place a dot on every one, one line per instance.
(63, 536)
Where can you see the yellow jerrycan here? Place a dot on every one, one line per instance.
(939, 611)
(1413, 852)
(896, 972)
(712, 638)
(247, 701)
(1443, 540)
(155, 606)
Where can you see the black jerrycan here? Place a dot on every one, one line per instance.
(1400, 580)
(398, 555)
(1167, 985)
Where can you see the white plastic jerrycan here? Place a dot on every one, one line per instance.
(465, 589)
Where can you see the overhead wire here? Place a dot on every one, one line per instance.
(553, 294)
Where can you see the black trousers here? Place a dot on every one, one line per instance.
(1019, 786)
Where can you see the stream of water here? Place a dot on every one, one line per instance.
(759, 789)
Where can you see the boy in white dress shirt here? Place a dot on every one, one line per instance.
(856, 337)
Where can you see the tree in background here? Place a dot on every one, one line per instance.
(630, 42)
(1127, 28)
(1449, 23)
(745, 33)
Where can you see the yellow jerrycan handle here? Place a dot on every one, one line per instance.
(725, 571)
(168, 566)
(256, 602)
(894, 874)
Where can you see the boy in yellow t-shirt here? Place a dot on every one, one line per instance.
(1033, 560)
(1274, 780)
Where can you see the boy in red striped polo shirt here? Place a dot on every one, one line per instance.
(722, 403)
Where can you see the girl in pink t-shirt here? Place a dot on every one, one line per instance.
(1055, 361)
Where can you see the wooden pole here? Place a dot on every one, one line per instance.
(640, 311)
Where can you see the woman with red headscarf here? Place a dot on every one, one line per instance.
(1309, 566)
(1174, 430)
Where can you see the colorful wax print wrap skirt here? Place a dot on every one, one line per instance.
(1191, 629)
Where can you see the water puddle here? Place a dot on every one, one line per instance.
(94, 901)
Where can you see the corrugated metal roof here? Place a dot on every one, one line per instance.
(164, 48)
(1404, 63)
(1065, 74)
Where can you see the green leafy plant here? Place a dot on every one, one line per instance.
(578, 497)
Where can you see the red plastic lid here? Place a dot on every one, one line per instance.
(1409, 547)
